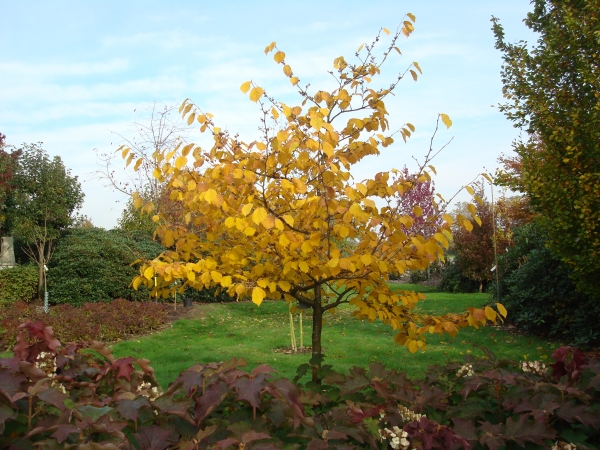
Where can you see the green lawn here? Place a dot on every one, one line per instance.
(219, 332)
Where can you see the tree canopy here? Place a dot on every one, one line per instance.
(553, 93)
(273, 213)
(42, 202)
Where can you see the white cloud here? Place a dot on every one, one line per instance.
(44, 70)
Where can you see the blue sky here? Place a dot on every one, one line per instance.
(77, 74)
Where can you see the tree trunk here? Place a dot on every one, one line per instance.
(41, 273)
(316, 336)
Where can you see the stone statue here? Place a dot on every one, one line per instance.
(7, 253)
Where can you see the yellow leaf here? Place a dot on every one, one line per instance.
(470, 190)
(447, 218)
(413, 346)
(245, 87)
(249, 231)
(284, 285)
(149, 273)
(284, 241)
(168, 239)
(411, 126)
(416, 64)
(246, 209)
(287, 70)
(279, 56)
(294, 80)
(366, 259)
(333, 262)
(304, 266)
(258, 295)
(288, 219)
(279, 224)
(275, 113)
(270, 47)
(490, 314)
(328, 148)
(414, 74)
(360, 48)
(411, 17)
(256, 93)
(191, 118)
(344, 231)
(124, 152)
(477, 219)
(441, 239)
(226, 281)
(386, 31)
(467, 225)
(155, 218)
(136, 282)
(259, 215)
(268, 222)
(230, 222)
(502, 309)
(216, 276)
(446, 120)
(180, 162)
(487, 177)
(210, 196)
(418, 211)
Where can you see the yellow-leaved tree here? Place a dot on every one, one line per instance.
(275, 215)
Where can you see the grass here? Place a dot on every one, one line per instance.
(219, 332)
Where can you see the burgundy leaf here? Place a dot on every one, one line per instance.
(571, 412)
(167, 404)
(249, 388)
(291, 393)
(124, 367)
(130, 409)
(465, 428)
(212, 398)
(62, 432)
(254, 436)
(524, 430)
(316, 444)
(153, 438)
(54, 397)
(491, 435)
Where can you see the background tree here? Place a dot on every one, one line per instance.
(418, 202)
(273, 211)
(552, 91)
(8, 163)
(42, 204)
(475, 248)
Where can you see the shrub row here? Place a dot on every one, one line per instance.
(65, 397)
(112, 321)
(536, 289)
(18, 283)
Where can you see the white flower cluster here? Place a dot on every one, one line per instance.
(408, 415)
(559, 445)
(465, 371)
(533, 367)
(47, 363)
(151, 392)
(398, 438)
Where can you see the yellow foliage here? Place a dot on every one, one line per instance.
(283, 214)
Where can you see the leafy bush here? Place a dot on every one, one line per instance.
(80, 396)
(539, 295)
(18, 283)
(112, 321)
(93, 265)
(453, 279)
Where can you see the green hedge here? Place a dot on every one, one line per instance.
(94, 265)
(18, 284)
(539, 295)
